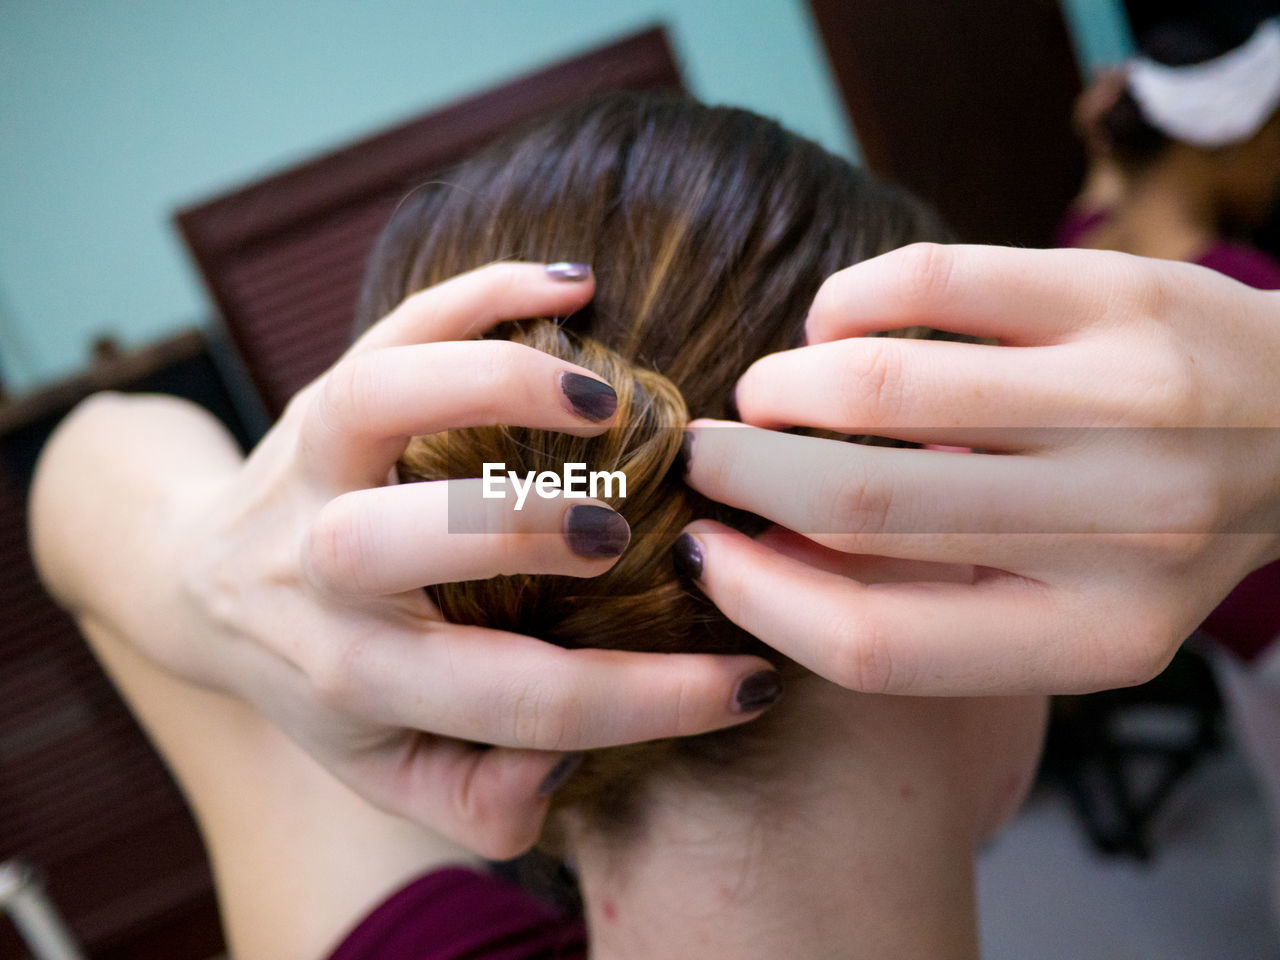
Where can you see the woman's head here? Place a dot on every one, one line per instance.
(709, 231)
(1206, 92)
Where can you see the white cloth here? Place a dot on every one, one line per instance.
(1215, 103)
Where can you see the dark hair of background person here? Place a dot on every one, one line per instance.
(1175, 43)
(709, 231)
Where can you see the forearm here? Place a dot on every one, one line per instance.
(116, 490)
(112, 490)
(286, 839)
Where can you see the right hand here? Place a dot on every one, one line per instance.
(293, 580)
(1129, 473)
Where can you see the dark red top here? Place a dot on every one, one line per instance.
(1248, 620)
(459, 914)
(1239, 261)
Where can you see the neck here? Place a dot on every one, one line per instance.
(873, 863)
(1170, 212)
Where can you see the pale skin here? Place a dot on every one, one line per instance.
(1087, 338)
(292, 579)
(852, 834)
(1097, 551)
(858, 842)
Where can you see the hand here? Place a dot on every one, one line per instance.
(1129, 474)
(294, 579)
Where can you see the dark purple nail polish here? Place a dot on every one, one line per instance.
(571, 272)
(758, 691)
(686, 451)
(596, 532)
(588, 397)
(560, 774)
(686, 555)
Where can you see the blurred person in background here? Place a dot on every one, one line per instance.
(1184, 147)
(1184, 164)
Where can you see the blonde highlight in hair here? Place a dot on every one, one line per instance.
(638, 604)
(709, 231)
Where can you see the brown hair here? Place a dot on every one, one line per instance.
(709, 231)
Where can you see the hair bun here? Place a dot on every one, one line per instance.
(637, 605)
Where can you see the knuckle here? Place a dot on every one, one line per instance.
(1194, 514)
(330, 670)
(1163, 389)
(542, 720)
(1145, 649)
(683, 715)
(1126, 650)
(926, 274)
(863, 655)
(1143, 292)
(873, 383)
(1175, 553)
(344, 398)
(337, 549)
(484, 825)
(209, 582)
(853, 502)
(1183, 503)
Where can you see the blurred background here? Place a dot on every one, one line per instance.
(187, 192)
(113, 115)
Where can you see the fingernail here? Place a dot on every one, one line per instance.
(686, 555)
(588, 397)
(686, 450)
(758, 691)
(560, 774)
(596, 532)
(572, 272)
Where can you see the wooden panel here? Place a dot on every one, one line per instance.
(283, 257)
(967, 104)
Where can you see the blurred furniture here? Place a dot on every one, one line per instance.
(966, 104)
(22, 898)
(283, 257)
(1120, 754)
(83, 797)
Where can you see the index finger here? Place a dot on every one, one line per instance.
(1020, 297)
(361, 415)
(998, 634)
(467, 305)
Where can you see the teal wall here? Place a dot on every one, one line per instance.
(114, 113)
(1101, 31)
